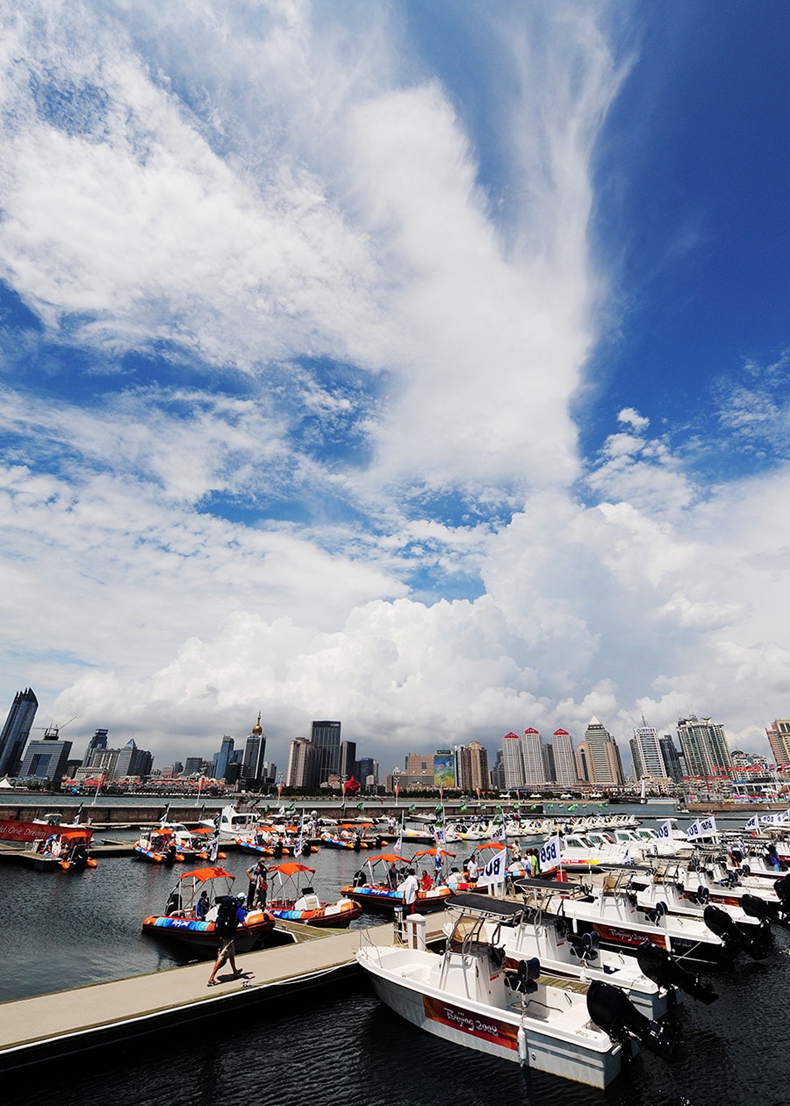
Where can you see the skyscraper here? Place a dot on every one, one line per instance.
(221, 760)
(326, 738)
(671, 759)
(16, 731)
(532, 757)
(603, 757)
(646, 753)
(474, 766)
(512, 761)
(564, 763)
(704, 746)
(779, 739)
(96, 744)
(302, 771)
(254, 753)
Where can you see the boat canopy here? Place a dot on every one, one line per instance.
(498, 908)
(432, 852)
(204, 874)
(290, 868)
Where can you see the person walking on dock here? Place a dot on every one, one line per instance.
(230, 916)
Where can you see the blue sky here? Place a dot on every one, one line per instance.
(422, 365)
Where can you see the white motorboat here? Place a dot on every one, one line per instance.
(673, 885)
(525, 932)
(233, 824)
(467, 996)
(613, 914)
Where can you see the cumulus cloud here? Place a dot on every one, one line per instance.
(293, 432)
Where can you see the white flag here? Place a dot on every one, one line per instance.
(707, 826)
(693, 831)
(752, 824)
(398, 846)
(550, 854)
(498, 833)
(664, 831)
(213, 851)
(493, 873)
(438, 835)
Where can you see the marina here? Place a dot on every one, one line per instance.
(91, 973)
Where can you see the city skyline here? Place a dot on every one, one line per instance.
(420, 365)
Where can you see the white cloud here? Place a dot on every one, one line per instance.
(262, 189)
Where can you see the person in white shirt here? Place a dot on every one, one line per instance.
(409, 891)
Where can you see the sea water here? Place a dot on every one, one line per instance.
(66, 929)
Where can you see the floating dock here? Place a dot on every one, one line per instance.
(54, 1026)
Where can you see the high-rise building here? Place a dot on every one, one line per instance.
(779, 739)
(302, 764)
(221, 759)
(369, 772)
(532, 758)
(474, 766)
(444, 768)
(602, 755)
(46, 759)
(96, 744)
(195, 766)
(564, 763)
(646, 753)
(254, 752)
(512, 761)
(16, 731)
(704, 746)
(133, 761)
(580, 756)
(348, 760)
(669, 754)
(326, 738)
(498, 771)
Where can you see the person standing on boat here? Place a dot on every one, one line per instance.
(202, 906)
(409, 891)
(228, 922)
(258, 875)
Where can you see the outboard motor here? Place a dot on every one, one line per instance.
(524, 978)
(610, 1008)
(719, 922)
(764, 909)
(662, 967)
(782, 888)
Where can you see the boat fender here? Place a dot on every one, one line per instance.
(610, 1008)
(664, 970)
(523, 1054)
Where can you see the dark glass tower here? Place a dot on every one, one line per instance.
(16, 731)
(326, 738)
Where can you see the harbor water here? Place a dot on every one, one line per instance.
(342, 1046)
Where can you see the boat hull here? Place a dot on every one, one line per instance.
(495, 1033)
(200, 935)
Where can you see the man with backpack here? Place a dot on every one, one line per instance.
(230, 916)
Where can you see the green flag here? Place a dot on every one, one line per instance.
(412, 809)
(517, 806)
(437, 810)
(462, 808)
(360, 806)
(533, 807)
